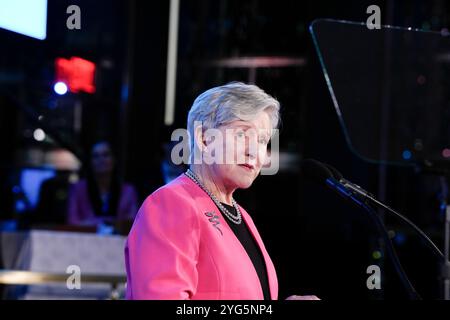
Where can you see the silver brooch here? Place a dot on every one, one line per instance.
(214, 219)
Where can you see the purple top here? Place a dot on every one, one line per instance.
(81, 212)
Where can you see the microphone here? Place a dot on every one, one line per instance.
(319, 172)
(353, 187)
(315, 170)
(322, 172)
(325, 173)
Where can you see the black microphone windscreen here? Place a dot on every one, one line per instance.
(315, 170)
(336, 174)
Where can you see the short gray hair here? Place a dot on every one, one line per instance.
(232, 101)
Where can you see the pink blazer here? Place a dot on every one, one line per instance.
(180, 247)
(81, 212)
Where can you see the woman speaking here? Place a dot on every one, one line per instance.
(190, 239)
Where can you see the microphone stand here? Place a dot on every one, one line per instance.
(445, 209)
(441, 169)
(411, 291)
(364, 203)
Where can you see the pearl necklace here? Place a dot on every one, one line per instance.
(237, 219)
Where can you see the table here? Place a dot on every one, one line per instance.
(59, 253)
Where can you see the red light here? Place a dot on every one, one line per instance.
(77, 73)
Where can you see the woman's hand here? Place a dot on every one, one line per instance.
(295, 297)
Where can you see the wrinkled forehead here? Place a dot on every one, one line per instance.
(261, 123)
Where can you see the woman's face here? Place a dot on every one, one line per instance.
(244, 151)
(101, 158)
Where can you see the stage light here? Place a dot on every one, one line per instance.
(39, 135)
(60, 88)
(400, 238)
(407, 154)
(377, 255)
(446, 153)
(78, 74)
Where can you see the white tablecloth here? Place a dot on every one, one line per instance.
(51, 251)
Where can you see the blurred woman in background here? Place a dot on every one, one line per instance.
(100, 197)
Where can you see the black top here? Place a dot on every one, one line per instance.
(251, 246)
